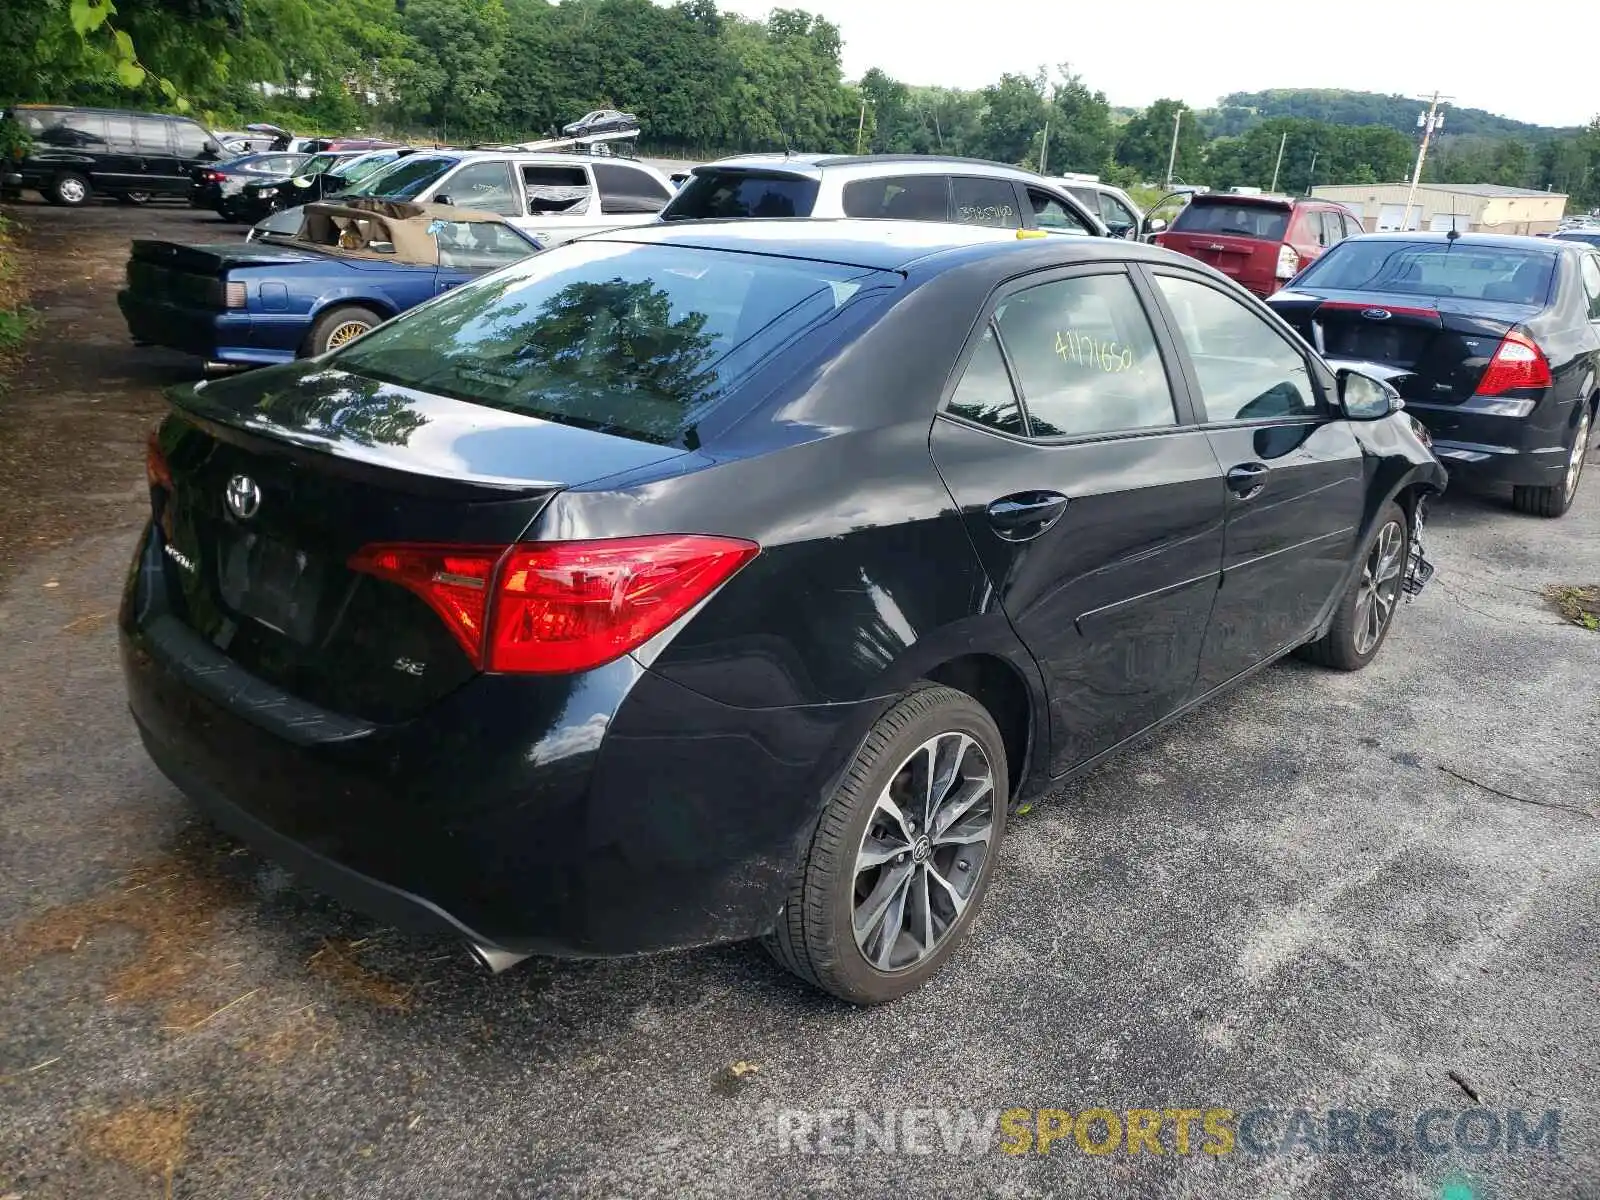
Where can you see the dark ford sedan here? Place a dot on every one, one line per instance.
(716, 581)
(1494, 342)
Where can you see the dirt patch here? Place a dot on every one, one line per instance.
(1579, 604)
(303, 1032)
(153, 1141)
(168, 902)
(336, 962)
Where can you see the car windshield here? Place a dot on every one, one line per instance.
(1433, 269)
(358, 169)
(638, 340)
(1235, 220)
(741, 194)
(406, 179)
(317, 165)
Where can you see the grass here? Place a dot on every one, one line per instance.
(1578, 604)
(17, 320)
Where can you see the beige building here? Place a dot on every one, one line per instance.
(1474, 207)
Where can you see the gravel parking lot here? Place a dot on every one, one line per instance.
(1363, 892)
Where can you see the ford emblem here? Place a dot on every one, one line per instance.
(1376, 314)
(243, 496)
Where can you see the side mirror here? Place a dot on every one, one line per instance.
(1155, 225)
(441, 198)
(1363, 398)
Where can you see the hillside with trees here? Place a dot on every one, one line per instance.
(706, 82)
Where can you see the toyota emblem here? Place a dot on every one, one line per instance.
(1376, 314)
(244, 497)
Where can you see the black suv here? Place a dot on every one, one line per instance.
(133, 156)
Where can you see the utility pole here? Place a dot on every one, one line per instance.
(1279, 164)
(1427, 122)
(1311, 175)
(1172, 155)
(861, 125)
(1044, 151)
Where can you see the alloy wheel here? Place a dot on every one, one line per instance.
(346, 331)
(1580, 449)
(1379, 587)
(923, 851)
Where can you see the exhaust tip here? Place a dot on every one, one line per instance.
(495, 960)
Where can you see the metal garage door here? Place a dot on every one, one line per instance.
(1440, 222)
(1389, 217)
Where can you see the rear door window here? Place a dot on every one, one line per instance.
(556, 189)
(485, 186)
(991, 202)
(153, 135)
(1589, 271)
(1331, 226)
(899, 198)
(625, 189)
(742, 194)
(639, 340)
(119, 134)
(1085, 357)
(1233, 220)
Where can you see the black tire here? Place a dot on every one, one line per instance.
(331, 327)
(1341, 647)
(815, 937)
(1557, 498)
(69, 189)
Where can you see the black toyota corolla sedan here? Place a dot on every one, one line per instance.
(731, 580)
(1494, 342)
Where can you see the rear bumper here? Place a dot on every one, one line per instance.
(614, 813)
(228, 337)
(1491, 448)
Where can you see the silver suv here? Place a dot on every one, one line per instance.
(906, 187)
(554, 197)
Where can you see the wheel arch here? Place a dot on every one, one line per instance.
(1001, 688)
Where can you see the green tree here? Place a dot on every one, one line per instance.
(450, 70)
(1144, 143)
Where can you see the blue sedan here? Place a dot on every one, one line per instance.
(351, 267)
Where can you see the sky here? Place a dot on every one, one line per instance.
(1139, 52)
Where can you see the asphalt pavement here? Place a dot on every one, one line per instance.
(1368, 893)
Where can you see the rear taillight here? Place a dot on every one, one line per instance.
(1288, 262)
(214, 176)
(454, 580)
(156, 469)
(559, 607)
(1517, 363)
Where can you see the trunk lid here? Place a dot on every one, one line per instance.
(194, 275)
(279, 477)
(1443, 348)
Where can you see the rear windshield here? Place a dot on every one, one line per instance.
(638, 340)
(1236, 220)
(1433, 269)
(741, 194)
(404, 180)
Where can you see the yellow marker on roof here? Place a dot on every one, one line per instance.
(1030, 233)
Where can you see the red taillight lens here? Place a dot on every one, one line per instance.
(214, 176)
(559, 607)
(453, 580)
(571, 606)
(1517, 363)
(156, 469)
